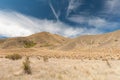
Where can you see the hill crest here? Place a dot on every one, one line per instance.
(55, 41)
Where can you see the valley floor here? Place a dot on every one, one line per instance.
(91, 54)
(60, 69)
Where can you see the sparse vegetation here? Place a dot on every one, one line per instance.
(13, 56)
(26, 66)
(29, 44)
(116, 40)
(45, 58)
(60, 76)
(46, 45)
(108, 63)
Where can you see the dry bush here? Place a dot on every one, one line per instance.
(26, 66)
(29, 44)
(118, 58)
(116, 40)
(38, 57)
(13, 56)
(45, 58)
(108, 63)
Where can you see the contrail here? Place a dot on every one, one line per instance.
(73, 4)
(53, 10)
(68, 9)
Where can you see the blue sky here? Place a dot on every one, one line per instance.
(65, 17)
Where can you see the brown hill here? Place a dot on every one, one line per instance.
(108, 40)
(101, 46)
(43, 39)
(48, 40)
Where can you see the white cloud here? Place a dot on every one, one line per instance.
(101, 23)
(73, 4)
(78, 19)
(13, 24)
(112, 6)
(98, 22)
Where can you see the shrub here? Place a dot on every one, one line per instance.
(14, 56)
(29, 44)
(116, 40)
(46, 45)
(26, 66)
(45, 58)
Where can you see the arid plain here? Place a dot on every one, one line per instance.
(54, 57)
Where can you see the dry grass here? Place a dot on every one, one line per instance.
(13, 56)
(99, 54)
(59, 69)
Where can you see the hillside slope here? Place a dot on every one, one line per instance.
(48, 40)
(43, 39)
(108, 40)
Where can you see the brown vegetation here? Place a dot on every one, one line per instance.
(45, 58)
(26, 66)
(13, 56)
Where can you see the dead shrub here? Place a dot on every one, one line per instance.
(45, 58)
(13, 56)
(26, 66)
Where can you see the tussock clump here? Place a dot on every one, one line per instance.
(45, 58)
(116, 40)
(26, 66)
(46, 45)
(13, 56)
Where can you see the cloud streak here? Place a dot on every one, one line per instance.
(103, 24)
(97, 22)
(73, 4)
(112, 6)
(53, 10)
(78, 19)
(13, 24)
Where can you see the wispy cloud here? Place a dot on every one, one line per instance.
(101, 23)
(97, 22)
(73, 4)
(53, 10)
(78, 19)
(112, 6)
(14, 24)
